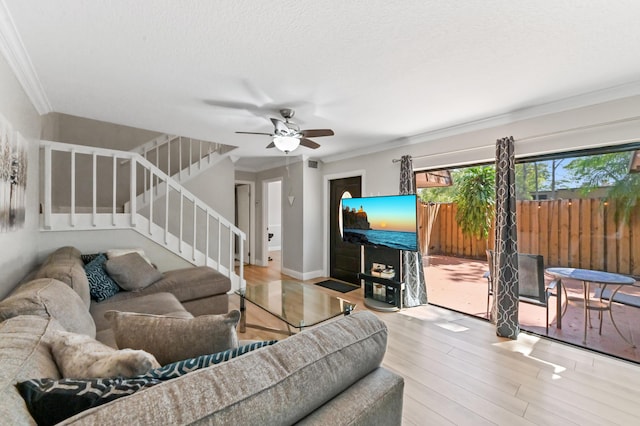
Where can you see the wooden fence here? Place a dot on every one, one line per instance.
(576, 233)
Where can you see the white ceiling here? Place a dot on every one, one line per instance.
(374, 71)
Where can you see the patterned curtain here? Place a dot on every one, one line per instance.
(415, 292)
(504, 312)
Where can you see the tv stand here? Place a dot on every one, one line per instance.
(382, 294)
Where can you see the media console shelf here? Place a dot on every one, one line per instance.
(382, 294)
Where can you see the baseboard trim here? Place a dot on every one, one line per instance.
(303, 276)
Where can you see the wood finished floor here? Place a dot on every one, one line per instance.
(458, 372)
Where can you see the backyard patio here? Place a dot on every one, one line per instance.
(457, 283)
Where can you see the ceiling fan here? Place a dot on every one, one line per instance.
(287, 135)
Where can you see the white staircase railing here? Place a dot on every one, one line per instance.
(179, 157)
(94, 184)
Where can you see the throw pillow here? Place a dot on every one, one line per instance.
(101, 286)
(80, 357)
(172, 339)
(132, 272)
(51, 401)
(121, 252)
(180, 368)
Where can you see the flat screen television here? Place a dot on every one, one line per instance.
(384, 221)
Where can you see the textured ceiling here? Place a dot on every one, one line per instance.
(374, 71)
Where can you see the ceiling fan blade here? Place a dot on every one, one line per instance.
(255, 133)
(280, 126)
(309, 143)
(316, 133)
(271, 145)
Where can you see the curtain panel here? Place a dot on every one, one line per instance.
(504, 312)
(415, 292)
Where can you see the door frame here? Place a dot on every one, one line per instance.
(325, 206)
(252, 218)
(265, 221)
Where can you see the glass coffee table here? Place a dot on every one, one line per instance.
(298, 305)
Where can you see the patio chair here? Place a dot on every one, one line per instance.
(532, 288)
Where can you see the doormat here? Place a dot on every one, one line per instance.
(338, 286)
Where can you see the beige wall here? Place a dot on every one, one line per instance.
(313, 233)
(85, 131)
(18, 249)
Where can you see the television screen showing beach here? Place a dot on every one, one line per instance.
(388, 221)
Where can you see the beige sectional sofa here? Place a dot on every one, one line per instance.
(329, 374)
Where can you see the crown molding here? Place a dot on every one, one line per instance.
(565, 104)
(13, 50)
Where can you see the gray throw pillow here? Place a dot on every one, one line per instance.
(132, 272)
(172, 339)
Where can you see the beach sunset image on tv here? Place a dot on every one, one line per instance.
(387, 221)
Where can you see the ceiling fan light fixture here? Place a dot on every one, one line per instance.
(286, 144)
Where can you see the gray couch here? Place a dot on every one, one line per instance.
(329, 374)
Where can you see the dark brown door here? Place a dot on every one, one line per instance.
(344, 257)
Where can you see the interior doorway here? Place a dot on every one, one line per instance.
(344, 258)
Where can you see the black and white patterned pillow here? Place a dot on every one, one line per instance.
(180, 368)
(51, 401)
(101, 286)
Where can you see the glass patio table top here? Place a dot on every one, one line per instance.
(299, 305)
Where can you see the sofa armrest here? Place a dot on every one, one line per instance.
(279, 384)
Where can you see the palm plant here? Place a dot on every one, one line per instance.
(476, 199)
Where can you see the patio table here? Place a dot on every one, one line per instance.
(588, 276)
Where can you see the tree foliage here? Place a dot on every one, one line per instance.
(610, 170)
(475, 198)
(530, 179)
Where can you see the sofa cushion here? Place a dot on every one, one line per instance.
(47, 297)
(172, 339)
(132, 272)
(101, 285)
(23, 355)
(65, 265)
(156, 304)
(191, 283)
